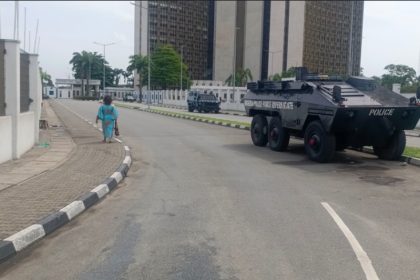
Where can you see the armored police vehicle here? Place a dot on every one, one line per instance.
(330, 114)
(202, 102)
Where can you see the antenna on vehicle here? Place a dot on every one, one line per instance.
(337, 94)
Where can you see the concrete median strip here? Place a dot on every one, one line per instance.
(26, 237)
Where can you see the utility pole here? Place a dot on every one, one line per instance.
(24, 32)
(234, 62)
(36, 34)
(182, 53)
(104, 45)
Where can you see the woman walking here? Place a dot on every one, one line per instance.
(108, 114)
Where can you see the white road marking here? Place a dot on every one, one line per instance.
(118, 140)
(361, 255)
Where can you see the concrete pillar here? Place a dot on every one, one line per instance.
(34, 93)
(12, 88)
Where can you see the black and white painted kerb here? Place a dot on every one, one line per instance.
(22, 239)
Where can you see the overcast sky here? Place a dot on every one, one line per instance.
(391, 32)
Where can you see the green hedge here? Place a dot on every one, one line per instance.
(85, 98)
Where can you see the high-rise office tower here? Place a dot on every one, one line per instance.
(182, 24)
(271, 36)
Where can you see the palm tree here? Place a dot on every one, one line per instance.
(139, 64)
(241, 77)
(82, 66)
(45, 79)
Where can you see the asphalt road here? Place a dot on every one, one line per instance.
(201, 202)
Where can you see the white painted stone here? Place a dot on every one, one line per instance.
(26, 236)
(73, 209)
(117, 176)
(127, 160)
(101, 190)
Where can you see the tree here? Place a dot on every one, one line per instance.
(117, 73)
(289, 73)
(275, 77)
(139, 64)
(45, 79)
(398, 74)
(241, 78)
(166, 69)
(88, 65)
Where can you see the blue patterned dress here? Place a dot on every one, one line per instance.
(107, 114)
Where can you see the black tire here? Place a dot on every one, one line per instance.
(394, 148)
(190, 109)
(319, 144)
(259, 129)
(278, 136)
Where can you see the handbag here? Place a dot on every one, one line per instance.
(117, 131)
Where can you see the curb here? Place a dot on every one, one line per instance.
(185, 107)
(47, 225)
(410, 160)
(225, 123)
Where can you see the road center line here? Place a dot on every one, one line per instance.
(361, 255)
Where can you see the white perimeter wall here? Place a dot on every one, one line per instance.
(5, 138)
(26, 132)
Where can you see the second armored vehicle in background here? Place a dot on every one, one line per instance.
(202, 102)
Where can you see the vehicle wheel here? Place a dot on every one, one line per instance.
(259, 128)
(278, 137)
(216, 111)
(394, 148)
(319, 144)
(190, 109)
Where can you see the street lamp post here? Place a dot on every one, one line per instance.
(104, 45)
(182, 53)
(234, 62)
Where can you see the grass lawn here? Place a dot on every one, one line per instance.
(412, 152)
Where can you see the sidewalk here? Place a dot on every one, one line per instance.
(55, 145)
(70, 161)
